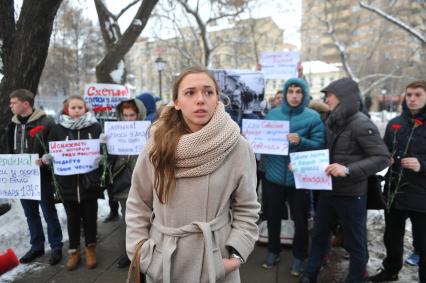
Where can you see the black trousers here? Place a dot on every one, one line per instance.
(87, 212)
(299, 201)
(394, 239)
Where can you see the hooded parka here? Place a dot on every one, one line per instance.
(353, 140)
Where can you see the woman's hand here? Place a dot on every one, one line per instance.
(411, 163)
(231, 264)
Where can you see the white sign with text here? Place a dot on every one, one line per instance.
(101, 95)
(267, 136)
(126, 137)
(19, 176)
(309, 169)
(74, 156)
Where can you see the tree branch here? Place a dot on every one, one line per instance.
(395, 21)
(342, 50)
(126, 8)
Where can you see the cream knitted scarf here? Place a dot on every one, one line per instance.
(202, 152)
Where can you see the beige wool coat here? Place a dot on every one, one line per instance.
(188, 236)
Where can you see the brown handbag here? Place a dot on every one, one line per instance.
(135, 264)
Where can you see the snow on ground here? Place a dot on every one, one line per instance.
(14, 234)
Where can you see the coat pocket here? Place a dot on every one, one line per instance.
(219, 267)
(151, 263)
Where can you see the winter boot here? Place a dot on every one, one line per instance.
(90, 254)
(73, 259)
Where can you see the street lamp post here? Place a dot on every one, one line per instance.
(160, 64)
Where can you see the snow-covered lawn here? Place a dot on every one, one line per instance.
(14, 234)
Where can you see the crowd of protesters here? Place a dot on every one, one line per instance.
(189, 203)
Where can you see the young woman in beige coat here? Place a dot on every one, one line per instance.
(193, 200)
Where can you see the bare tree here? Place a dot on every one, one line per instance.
(76, 47)
(23, 50)
(403, 25)
(111, 69)
(214, 11)
(362, 44)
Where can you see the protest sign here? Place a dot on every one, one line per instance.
(19, 176)
(101, 95)
(74, 156)
(309, 169)
(280, 65)
(126, 137)
(266, 136)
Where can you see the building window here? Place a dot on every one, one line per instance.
(322, 81)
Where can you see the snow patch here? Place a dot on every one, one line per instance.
(14, 234)
(137, 22)
(117, 74)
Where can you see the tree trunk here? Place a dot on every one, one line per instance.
(24, 50)
(118, 45)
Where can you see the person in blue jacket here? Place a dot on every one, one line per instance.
(306, 133)
(149, 102)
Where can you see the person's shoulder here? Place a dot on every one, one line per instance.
(275, 114)
(308, 112)
(362, 125)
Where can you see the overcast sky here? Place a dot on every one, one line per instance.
(287, 15)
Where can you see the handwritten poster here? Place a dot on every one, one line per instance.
(266, 136)
(308, 169)
(280, 65)
(74, 156)
(126, 137)
(19, 176)
(101, 95)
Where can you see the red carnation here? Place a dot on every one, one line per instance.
(36, 130)
(396, 127)
(418, 122)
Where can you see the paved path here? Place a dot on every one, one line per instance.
(109, 251)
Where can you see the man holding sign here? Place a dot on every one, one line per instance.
(356, 151)
(26, 118)
(306, 133)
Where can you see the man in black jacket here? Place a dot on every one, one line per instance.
(356, 151)
(26, 118)
(405, 186)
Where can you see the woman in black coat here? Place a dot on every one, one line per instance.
(80, 191)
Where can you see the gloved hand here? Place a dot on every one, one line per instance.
(47, 158)
(103, 138)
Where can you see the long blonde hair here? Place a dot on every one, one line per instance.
(169, 127)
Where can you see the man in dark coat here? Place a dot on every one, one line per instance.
(356, 151)
(26, 118)
(405, 186)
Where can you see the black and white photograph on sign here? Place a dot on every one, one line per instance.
(245, 89)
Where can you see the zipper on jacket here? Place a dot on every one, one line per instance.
(22, 138)
(78, 175)
(288, 156)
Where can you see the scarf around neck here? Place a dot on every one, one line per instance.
(202, 152)
(84, 121)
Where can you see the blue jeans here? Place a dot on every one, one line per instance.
(351, 213)
(31, 210)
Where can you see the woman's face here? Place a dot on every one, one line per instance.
(129, 114)
(76, 108)
(197, 99)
